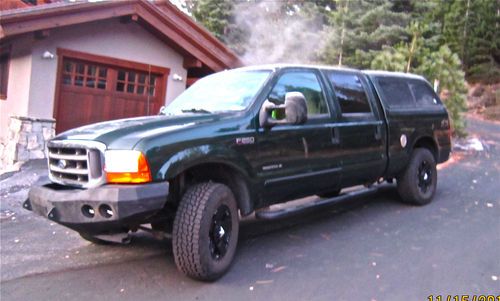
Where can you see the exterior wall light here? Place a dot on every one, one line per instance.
(177, 77)
(47, 55)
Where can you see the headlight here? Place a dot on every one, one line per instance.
(126, 166)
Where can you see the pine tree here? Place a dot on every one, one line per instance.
(424, 53)
(471, 30)
(218, 16)
(362, 28)
(444, 66)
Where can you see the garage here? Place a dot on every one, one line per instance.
(92, 88)
(69, 64)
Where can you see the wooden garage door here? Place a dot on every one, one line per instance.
(94, 88)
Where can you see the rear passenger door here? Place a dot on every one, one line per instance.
(361, 130)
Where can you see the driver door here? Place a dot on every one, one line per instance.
(299, 160)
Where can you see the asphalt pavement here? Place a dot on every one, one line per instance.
(368, 247)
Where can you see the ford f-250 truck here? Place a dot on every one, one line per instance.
(239, 141)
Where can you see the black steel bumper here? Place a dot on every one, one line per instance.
(105, 209)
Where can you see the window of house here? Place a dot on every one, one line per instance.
(136, 82)
(4, 71)
(305, 82)
(350, 92)
(83, 74)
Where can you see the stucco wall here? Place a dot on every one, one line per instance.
(18, 85)
(128, 41)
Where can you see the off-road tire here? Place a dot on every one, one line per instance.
(193, 226)
(410, 182)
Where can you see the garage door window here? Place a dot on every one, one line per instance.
(135, 82)
(82, 74)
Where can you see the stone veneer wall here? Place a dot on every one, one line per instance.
(27, 140)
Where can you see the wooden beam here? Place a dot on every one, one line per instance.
(106, 60)
(11, 27)
(191, 80)
(191, 62)
(42, 34)
(128, 19)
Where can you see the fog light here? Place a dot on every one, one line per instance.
(88, 211)
(106, 211)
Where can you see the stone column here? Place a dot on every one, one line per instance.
(27, 139)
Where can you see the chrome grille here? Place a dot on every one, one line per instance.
(76, 163)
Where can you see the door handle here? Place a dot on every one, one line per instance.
(378, 132)
(335, 135)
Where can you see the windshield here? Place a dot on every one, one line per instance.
(224, 91)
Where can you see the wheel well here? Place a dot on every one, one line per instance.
(427, 142)
(216, 172)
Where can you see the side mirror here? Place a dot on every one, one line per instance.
(295, 110)
(162, 110)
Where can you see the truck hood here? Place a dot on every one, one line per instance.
(125, 133)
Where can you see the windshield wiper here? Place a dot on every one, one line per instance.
(195, 110)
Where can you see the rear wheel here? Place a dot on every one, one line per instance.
(205, 232)
(417, 184)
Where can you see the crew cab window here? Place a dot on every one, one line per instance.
(350, 92)
(396, 92)
(305, 82)
(424, 95)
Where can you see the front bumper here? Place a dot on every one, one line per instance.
(105, 209)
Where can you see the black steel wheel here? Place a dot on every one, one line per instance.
(205, 232)
(417, 184)
(220, 232)
(425, 176)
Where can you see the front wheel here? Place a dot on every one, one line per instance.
(205, 232)
(417, 184)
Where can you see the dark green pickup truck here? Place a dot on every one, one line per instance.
(237, 142)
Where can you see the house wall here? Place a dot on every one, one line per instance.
(18, 85)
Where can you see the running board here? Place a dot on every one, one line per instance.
(269, 213)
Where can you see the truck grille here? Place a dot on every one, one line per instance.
(76, 163)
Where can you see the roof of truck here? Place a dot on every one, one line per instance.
(327, 67)
(284, 65)
(391, 73)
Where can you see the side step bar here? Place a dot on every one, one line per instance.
(283, 210)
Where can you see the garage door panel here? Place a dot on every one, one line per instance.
(91, 92)
(72, 110)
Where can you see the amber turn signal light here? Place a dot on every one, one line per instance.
(125, 166)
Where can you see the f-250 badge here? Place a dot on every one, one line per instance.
(245, 140)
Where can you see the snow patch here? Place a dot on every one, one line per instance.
(471, 144)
